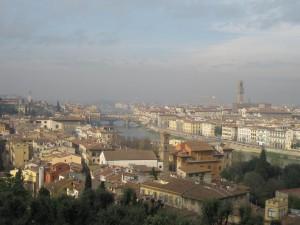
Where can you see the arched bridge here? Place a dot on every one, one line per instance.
(111, 118)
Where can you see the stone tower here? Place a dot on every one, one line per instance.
(240, 92)
(164, 150)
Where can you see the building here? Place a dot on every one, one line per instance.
(185, 194)
(19, 153)
(199, 157)
(70, 123)
(163, 120)
(276, 208)
(164, 151)
(66, 158)
(240, 93)
(229, 132)
(52, 173)
(125, 158)
(192, 126)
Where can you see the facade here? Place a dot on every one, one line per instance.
(276, 138)
(276, 208)
(70, 123)
(185, 194)
(208, 129)
(192, 126)
(244, 134)
(262, 136)
(163, 120)
(52, 173)
(19, 154)
(125, 158)
(229, 132)
(164, 151)
(198, 157)
(66, 158)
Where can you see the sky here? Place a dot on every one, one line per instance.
(168, 51)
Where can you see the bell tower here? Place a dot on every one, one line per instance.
(164, 150)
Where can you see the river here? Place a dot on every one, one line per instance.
(138, 132)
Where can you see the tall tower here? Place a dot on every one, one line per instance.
(240, 92)
(29, 98)
(164, 150)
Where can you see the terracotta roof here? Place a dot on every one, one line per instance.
(194, 169)
(177, 186)
(192, 190)
(198, 145)
(292, 192)
(129, 155)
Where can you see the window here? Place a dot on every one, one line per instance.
(154, 195)
(166, 198)
(178, 201)
(143, 191)
(271, 212)
(209, 166)
(160, 196)
(171, 200)
(193, 202)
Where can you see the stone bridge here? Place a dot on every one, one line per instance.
(111, 118)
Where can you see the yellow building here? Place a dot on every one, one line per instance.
(31, 178)
(66, 158)
(62, 186)
(186, 194)
(276, 208)
(4, 128)
(19, 154)
(192, 126)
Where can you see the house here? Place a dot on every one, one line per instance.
(186, 194)
(52, 173)
(126, 158)
(276, 208)
(198, 158)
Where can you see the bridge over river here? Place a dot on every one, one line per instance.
(111, 118)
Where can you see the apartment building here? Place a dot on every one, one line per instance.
(229, 132)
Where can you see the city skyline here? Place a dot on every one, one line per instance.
(155, 51)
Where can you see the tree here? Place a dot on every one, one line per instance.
(262, 166)
(58, 108)
(154, 173)
(218, 131)
(215, 211)
(128, 197)
(88, 182)
(289, 174)
(26, 109)
(44, 192)
(2, 168)
(275, 222)
(247, 218)
(18, 186)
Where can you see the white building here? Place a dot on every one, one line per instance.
(244, 134)
(229, 132)
(262, 135)
(128, 157)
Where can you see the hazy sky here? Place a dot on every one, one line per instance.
(152, 50)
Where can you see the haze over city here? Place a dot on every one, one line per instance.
(159, 51)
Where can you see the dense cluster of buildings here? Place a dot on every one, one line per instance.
(53, 150)
(256, 124)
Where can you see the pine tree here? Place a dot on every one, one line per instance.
(58, 108)
(262, 165)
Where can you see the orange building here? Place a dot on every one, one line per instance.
(198, 157)
(52, 173)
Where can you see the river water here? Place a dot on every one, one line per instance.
(138, 132)
(143, 132)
